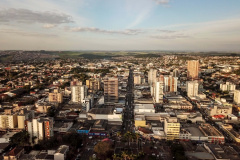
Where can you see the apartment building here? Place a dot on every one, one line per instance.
(192, 88)
(93, 85)
(39, 128)
(172, 128)
(111, 90)
(56, 96)
(192, 69)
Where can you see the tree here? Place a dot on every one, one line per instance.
(21, 138)
(124, 155)
(103, 149)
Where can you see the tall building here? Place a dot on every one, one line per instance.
(152, 74)
(75, 82)
(22, 116)
(111, 90)
(192, 69)
(8, 119)
(56, 96)
(171, 128)
(192, 88)
(158, 91)
(236, 97)
(176, 73)
(93, 85)
(78, 93)
(170, 84)
(39, 128)
(137, 79)
(227, 87)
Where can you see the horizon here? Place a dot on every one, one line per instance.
(128, 25)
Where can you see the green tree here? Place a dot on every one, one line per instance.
(21, 138)
(103, 149)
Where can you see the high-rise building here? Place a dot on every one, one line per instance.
(56, 96)
(192, 69)
(8, 119)
(152, 74)
(236, 97)
(39, 128)
(78, 93)
(176, 73)
(172, 128)
(137, 79)
(192, 88)
(93, 85)
(22, 116)
(158, 91)
(111, 90)
(227, 87)
(170, 84)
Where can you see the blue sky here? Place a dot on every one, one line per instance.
(199, 25)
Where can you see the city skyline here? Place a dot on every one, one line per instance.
(123, 25)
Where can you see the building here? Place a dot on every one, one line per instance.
(22, 116)
(192, 69)
(176, 73)
(61, 152)
(75, 82)
(227, 87)
(39, 128)
(192, 88)
(152, 74)
(79, 93)
(170, 84)
(56, 96)
(172, 128)
(236, 97)
(8, 119)
(93, 85)
(111, 90)
(158, 91)
(217, 110)
(214, 136)
(231, 132)
(137, 79)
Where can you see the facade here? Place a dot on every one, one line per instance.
(219, 110)
(137, 79)
(192, 69)
(111, 90)
(192, 88)
(236, 97)
(8, 119)
(93, 85)
(152, 74)
(56, 96)
(170, 84)
(172, 128)
(228, 87)
(39, 128)
(158, 91)
(214, 136)
(61, 152)
(79, 93)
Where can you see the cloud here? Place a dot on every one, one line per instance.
(164, 2)
(49, 26)
(166, 31)
(24, 33)
(171, 36)
(98, 30)
(29, 16)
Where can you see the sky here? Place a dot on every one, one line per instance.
(188, 25)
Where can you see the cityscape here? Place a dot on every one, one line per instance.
(119, 80)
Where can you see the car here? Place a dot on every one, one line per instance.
(90, 137)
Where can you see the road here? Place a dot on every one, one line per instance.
(128, 120)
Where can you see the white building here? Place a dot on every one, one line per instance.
(228, 87)
(192, 88)
(158, 91)
(152, 74)
(39, 128)
(236, 97)
(78, 93)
